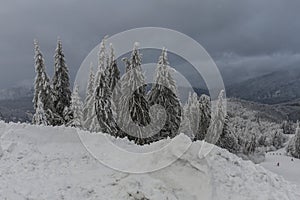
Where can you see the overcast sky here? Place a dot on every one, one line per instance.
(245, 37)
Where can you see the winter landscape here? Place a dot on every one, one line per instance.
(150, 100)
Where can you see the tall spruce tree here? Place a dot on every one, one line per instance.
(40, 117)
(294, 145)
(89, 102)
(76, 108)
(113, 82)
(204, 117)
(164, 93)
(191, 115)
(61, 86)
(103, 108)
(297, 144)
(93, 123)
(220, 132)
(112, 70)
(287, 127)
(227, 139)
(138, 108)
(102, 63)
(216, 128)
(42, 86)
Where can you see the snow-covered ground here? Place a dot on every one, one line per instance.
(51, 163)
(288, 167)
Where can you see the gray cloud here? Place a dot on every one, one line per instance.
(250, 30)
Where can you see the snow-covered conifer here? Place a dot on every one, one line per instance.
(102, 62)
(89, 102)
(40, 117)
(61, 84)
(204, 112)
(113, 74)
(297, 145)
(42, 86)
(227, 139)
(76, 108)
(216, 127)
(287, 127)
(164, 93)
(294, 144)
(103, 108)
(138, 105)
(279, 139)
(91, 121)
(191, 115)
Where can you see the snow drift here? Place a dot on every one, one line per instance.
(51, 163)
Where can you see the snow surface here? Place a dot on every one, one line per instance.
(287, 168)
(51, 163)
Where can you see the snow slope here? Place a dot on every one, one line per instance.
(287, 168)
(51, 163)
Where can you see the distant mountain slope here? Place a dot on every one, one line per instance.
(276, 87)
(16, 93)
(291, 108)
(52, 163)
(16, 110)
(274, 113)
(258, 110)
(16, 104)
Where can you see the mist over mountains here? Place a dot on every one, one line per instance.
(273, 88)
(276, 94)
(16, 104)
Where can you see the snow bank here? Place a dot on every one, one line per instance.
(51, 163)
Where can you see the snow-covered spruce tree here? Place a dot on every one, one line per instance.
(138, 105)
(40, 117)
(89, 101)
(76, 109)
(185, 127)
(42, 86)
(250, 146)
(220, 132)
(116, 95)
(164, 93)
(287, 127)
(191, 115)
(227, 139)
(216, 128)
(61, 86)
(112, 71)
(294, 145)
(279, 139)
(290, 149)
(103, 108)
(102, 63)
(92, 123)
(113, 74)
(204, 117)
(40, 72)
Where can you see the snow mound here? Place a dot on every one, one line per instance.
(51, 163)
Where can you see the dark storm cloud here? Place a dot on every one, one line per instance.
(249, 30)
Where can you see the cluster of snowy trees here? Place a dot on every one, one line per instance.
(111, 99)
(255, 136)
(200, 125)
(107, 104)
(293, 147)
(52, 99)
(288, 127)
